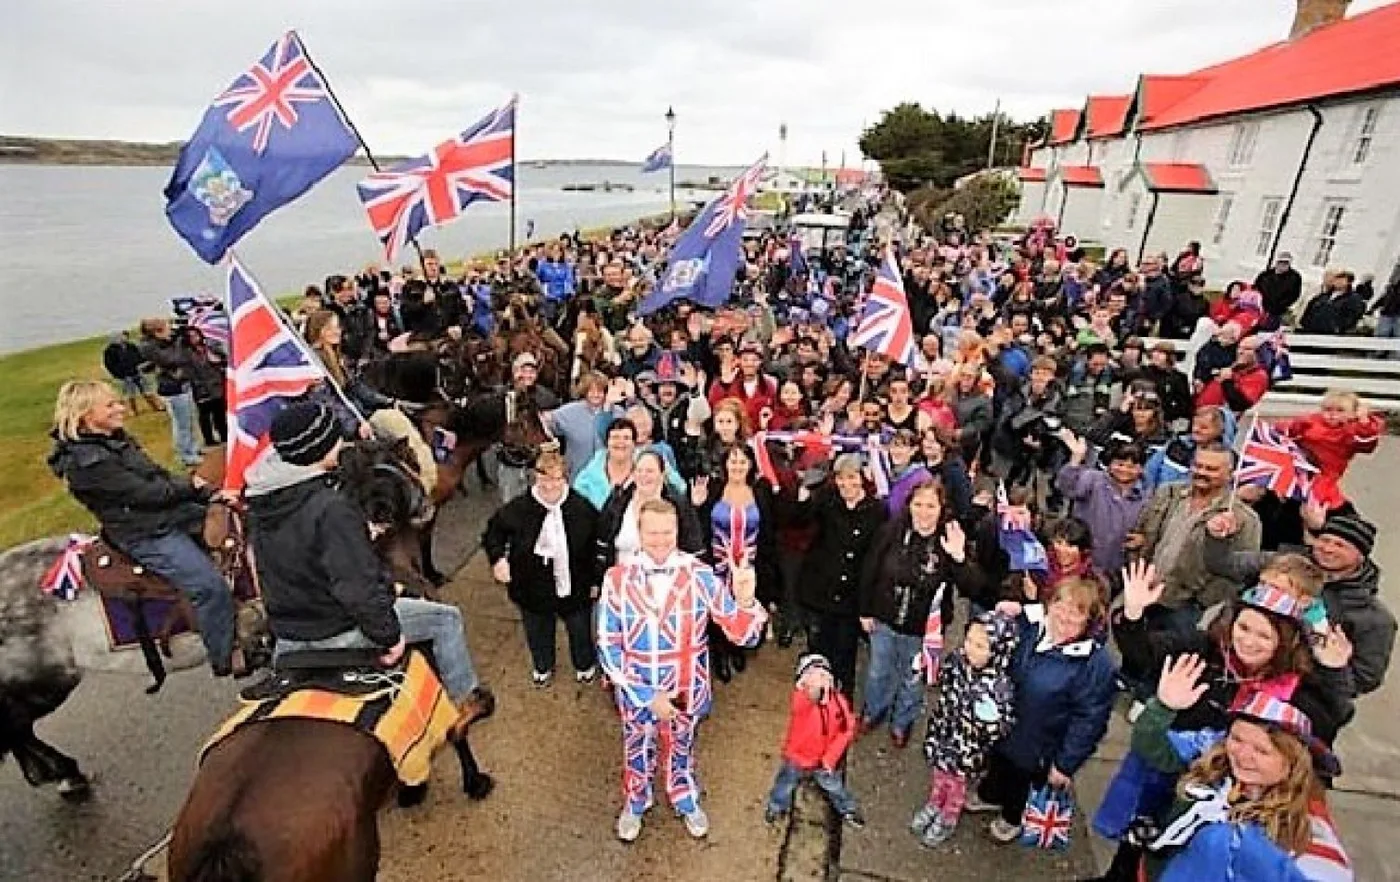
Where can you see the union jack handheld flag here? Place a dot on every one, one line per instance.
(264, 141)
(207, 315)
(428, 191)
(1275, 462)
(1048, 819)
(267, 366)
(885, 324)
(65, 578)
(702, 264)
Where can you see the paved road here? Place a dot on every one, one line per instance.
(554, 754)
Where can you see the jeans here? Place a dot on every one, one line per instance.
(838, 638)
(180, 409)
(177, 559)
(892, 680)
(1388, 326)
(422, 621)
(789, 776)
(539, 636)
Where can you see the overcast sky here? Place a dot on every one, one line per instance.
(596, 76)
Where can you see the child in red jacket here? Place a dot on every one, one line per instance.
(1331, 437)
(820, 729)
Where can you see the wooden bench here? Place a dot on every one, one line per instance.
(1368, 366)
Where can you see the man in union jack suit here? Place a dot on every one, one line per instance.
(651, 642)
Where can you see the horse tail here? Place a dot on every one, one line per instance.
(226, 855)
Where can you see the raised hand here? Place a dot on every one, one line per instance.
(700, 490)
(1314, 515)
(954, 541)
(1333, 650)
(1180, 686)
(1141, 589)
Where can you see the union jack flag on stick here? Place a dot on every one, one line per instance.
(885, 324)
(268, 366)
(1275, 462)
(432, 190)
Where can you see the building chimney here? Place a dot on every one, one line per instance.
(1313, 14)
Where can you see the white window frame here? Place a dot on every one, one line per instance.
(1134, 205)
(1331, 220)
(1270, 209)
(1222, 218)
(1363, 140)
(1242, 144)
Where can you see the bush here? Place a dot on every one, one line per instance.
(985, 202)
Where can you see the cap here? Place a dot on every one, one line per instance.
(1284, 257)
(523, 359)
(810, 661)
(303, 433)
(1353, 529)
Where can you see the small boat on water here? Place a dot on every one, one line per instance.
(606, 187)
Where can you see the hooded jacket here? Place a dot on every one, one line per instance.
(975, 707)
(1331, 446)
(319, 572)
(1171, 463)
(818, 733)
(129, 494)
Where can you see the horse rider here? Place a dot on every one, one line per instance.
(524, 401)
(323, 586)
(147, 513)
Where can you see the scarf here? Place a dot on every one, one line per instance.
(553, 543)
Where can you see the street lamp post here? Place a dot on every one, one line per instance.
(671, 148)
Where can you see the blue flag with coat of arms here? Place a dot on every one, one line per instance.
(704, 261)
(658, 159)
(264, 141)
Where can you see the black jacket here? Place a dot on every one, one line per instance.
(902, 573)
(1279, 291)
(122, 360)
(320, 576)
(1174, 389)
(129, 494)
(1334, 315)
(172, 365)
(511, 533)
(831, 570)
(691, 537)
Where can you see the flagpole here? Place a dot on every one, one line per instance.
(671, 150)
(354, 130)
(1235, 479)
(514, 179)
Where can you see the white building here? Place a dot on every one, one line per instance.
(1294, 148)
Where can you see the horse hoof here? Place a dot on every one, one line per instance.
(411, 795)
(155, 687)
(484, 701)
(75, 789)
(479, 786)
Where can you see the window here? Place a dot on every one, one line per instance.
(1365, 134)
(1269, 210)
(1242, 144)
(1133, 205)
(1222, 217)
(1333, 211)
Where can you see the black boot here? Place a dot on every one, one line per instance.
(719, 665)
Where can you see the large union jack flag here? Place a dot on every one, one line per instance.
(268, 93)
(268, 365)
(885, 324)
(1275, 462)
(431, 190)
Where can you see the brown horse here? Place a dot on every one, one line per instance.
(294, 800)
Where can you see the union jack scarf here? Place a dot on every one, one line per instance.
(931, 653)
(65, 578)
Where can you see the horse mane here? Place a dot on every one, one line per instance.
(225, 855)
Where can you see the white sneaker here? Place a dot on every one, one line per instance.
(541, 679)
(587, 676)
(697, 823)
(629, 826)
(1003, 832)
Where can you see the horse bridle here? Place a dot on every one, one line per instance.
(420, 507)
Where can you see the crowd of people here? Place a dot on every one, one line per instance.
(720, 479)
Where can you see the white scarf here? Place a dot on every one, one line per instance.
(553, 542)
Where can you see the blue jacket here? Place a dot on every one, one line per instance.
(1064, 696)
(1171, 463)
(557, 279)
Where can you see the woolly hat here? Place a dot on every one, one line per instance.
(1353, 529)
(812, 660)
(303, 433)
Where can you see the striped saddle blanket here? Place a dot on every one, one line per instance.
(409, 717)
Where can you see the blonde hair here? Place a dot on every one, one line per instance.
(1304, 577)
(1283, 809)
(75, 399)
(1343, 398)
(551, 461)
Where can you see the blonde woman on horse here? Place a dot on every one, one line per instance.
(145, 511)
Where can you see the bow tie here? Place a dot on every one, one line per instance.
(658, 571)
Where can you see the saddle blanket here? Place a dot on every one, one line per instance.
(409, 717)
(120, 618)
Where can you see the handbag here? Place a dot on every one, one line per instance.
(1048, 819)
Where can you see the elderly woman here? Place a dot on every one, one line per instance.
(541, 545)
(145, 511)
(1064, 693)
(1251, 805)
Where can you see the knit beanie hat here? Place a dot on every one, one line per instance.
(303, 433)
(812, 660)
(1352, 529)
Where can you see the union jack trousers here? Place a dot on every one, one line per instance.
(646, 647)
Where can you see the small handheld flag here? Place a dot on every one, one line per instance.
(1275, 462)
(65, 578)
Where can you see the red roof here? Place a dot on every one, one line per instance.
(1081, 176)
(1107, 115)
(846, 177)
(1354, 55)
(1063, 125)
(1031, 175)
(1177, 177)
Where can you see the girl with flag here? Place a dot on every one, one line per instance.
(1331, 438)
